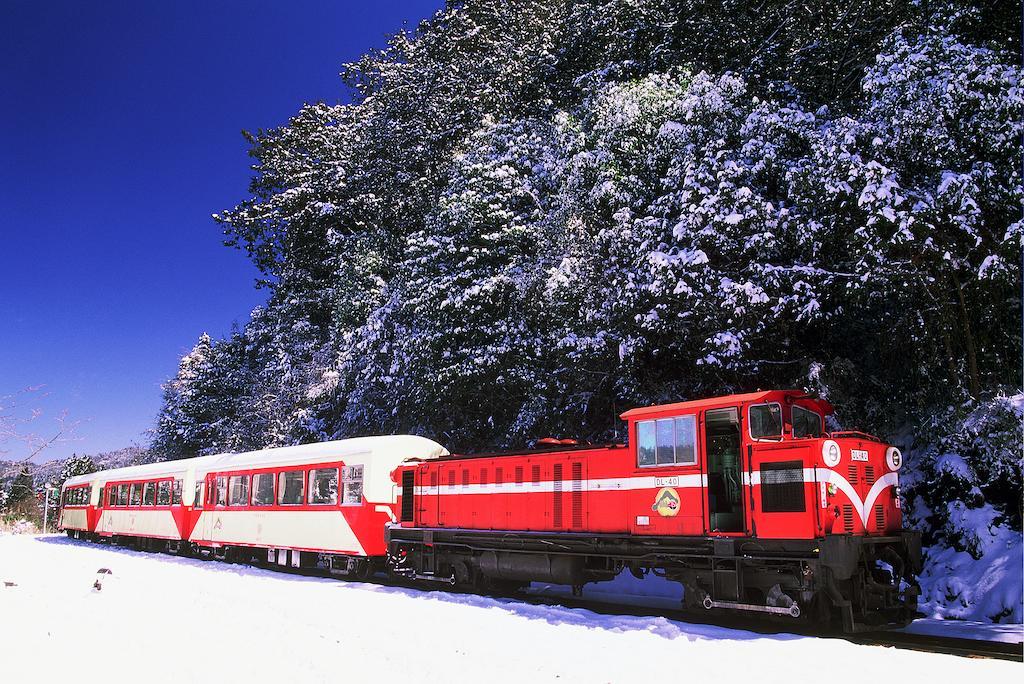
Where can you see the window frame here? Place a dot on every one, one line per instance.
(149, 486)
(310, 489)
(750, 423)
(134, 487)
(273, 489)
(347, 478)
(246, 480)
(792, 422)
(692, 418)
(217, 490)
(177, 490)
(166, 486)
(282, 489)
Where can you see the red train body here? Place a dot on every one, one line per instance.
(743, 499)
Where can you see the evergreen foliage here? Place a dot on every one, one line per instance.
(532, 216)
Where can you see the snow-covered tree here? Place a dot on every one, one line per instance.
(78, 464)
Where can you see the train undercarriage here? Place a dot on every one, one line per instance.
(855, 583)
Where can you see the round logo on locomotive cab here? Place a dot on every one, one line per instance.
(666, 503)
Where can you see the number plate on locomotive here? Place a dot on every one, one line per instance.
(858, 455)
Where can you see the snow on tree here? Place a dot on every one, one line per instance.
(77, 464)
(531, 216)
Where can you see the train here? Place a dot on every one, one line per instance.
(746, 501)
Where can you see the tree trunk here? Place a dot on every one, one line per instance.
(974, 384)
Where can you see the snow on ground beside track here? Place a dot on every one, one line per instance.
(160, 618)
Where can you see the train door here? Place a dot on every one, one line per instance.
(723, 459)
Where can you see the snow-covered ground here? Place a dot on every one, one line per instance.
(160, 618)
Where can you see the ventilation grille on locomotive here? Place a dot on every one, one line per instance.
(407, 495)
(853, 478)
(879, 517)
(847, 518)
(782, 487)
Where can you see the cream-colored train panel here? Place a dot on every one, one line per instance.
(74, 519)
(138, 523)
(322, 530)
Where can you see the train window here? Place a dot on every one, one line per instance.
(149, 494)
(686, 439)
(323, 486)
(101, 500)
(176, 493)
(290, 487)
(765, 421)
(646, 442)
(667, 441)
(238, 490)
(136, 495)
(221, 491)
(806, 423)
(352, 477)
(197, 495)
(263, 489)
(163, 493)
(122, 495)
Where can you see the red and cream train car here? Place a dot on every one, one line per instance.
(304, 504)
(745, 500)
(293, 506)
(78, 501)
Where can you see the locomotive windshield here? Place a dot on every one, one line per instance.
(766, 421)
(806, 423)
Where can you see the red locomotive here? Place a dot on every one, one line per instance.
(745, 500)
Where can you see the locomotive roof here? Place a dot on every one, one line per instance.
(728, 400)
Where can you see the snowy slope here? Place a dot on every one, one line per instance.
(160, 618)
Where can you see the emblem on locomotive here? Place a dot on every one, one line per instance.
(666, 503)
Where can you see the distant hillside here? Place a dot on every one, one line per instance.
(49, 471)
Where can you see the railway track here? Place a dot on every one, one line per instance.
(957, 646)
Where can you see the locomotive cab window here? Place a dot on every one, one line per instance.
(765, 421)
(291, 487)
(323, 486)
(806, 423)
(667, 441)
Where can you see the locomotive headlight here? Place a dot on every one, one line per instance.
(893, 458)
(830, 453)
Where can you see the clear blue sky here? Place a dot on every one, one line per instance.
(119, 136)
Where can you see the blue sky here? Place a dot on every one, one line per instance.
(119, 136)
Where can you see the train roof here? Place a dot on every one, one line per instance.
(394, 448)
(387, 447)
(728, 400)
